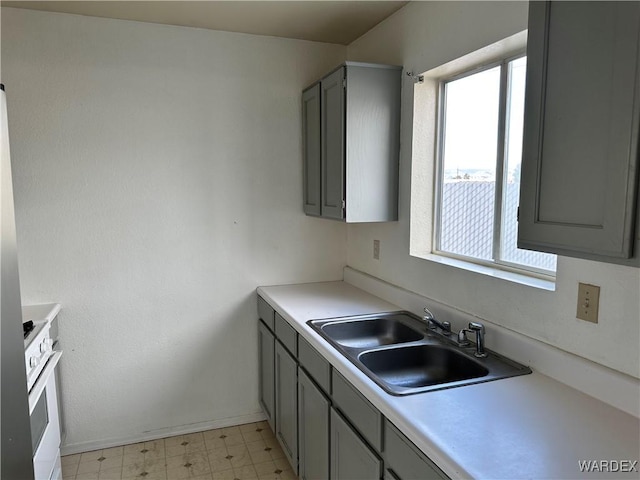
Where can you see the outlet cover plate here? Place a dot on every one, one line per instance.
(588, 302)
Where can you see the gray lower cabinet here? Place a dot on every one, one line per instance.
(286, 398)
(266, 346)
(578, 194)
(356, 136)
(351, 457)
(326, 427)
(313, 430)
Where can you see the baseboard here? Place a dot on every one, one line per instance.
(610, 386)
(70, 449)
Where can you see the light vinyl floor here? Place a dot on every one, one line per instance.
(245, 452)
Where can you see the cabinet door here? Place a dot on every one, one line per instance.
(313, 430)
(266, 345)
(580, 154)
(351, 458)
(332, 149)
(287, 404)
(311, 149)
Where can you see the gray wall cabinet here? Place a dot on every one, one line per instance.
(287, 404)
(311, 148)
(332, 144)
(359, 143)
(313, 430)
(578, 194)
(351, 457)
(266, 351)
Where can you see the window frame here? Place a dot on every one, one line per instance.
(500, 174)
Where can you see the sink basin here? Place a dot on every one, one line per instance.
(399, 353)
(370, 333)
(421, 365)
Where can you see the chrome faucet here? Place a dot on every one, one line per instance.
(432, 323)
(478, 328)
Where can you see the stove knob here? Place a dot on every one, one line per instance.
(43, 346)
(33, 362)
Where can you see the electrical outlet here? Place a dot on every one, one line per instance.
(376, 249)
(588, 302)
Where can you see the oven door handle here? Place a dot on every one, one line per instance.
(41, 383)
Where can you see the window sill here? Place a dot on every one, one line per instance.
(509, 276)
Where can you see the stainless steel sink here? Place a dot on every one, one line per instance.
(421, 366)
(370, 333)
(399, 353)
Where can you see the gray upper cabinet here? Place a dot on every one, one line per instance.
(311, 138)
(578, 194)
(332, 144)
(359, 131)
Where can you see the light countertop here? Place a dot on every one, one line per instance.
(530, 426)
(40, 313)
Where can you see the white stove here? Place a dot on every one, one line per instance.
(41, 361)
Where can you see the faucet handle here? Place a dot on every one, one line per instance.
(463, 341)
(446, 326)
(432, 323)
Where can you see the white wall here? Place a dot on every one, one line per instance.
(422, 36)
(158, 181)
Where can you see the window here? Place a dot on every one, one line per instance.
(478, 168)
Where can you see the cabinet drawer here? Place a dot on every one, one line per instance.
(265, 312)
(360, 411)
(405, 459)
(317, 367)
(286, 334)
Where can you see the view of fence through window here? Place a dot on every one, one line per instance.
(470, 160)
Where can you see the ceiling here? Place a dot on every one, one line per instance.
(321, 21)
